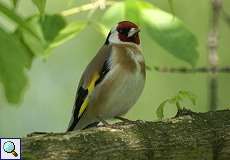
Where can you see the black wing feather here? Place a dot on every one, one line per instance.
(82, 94)
(103, 72)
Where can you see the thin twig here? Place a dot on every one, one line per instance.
(213, 55)
(97, 4)
(192, 70)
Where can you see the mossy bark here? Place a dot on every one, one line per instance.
(188, 136)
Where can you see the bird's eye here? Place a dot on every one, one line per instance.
(123, 31)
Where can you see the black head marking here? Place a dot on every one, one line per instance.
(123, 31)
(107, 39)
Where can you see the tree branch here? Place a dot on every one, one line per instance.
(97, 4)
(225, 69)
(190, 136)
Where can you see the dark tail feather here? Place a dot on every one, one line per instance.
(72, 126)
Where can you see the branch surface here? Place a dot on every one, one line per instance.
(225, 69)
(190, 136)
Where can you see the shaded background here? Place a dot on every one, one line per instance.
(47, 104)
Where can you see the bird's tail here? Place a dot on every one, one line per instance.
(80, 124)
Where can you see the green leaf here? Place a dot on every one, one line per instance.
(120, 11)
(101, 28)
(51, 25)
(13, 60)
(160, 110)
(46, 29)
(174, 99)
(171, 6)
(169, 32)
(14, 2)
(164, 28)
(16, 19)
(52, 32)
(114, 14)
(40, 5)
(189, 95)
(30, 54)
(36, 45)
(132, 11)
(181, 95)
(70, 31)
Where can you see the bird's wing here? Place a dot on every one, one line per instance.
(93, 75)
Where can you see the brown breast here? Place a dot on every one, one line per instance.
(129, 57)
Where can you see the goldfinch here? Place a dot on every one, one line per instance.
(113, 80)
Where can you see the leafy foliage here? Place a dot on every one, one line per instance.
(15, 18)
(40, 5)
(113, 14)
(132, 11)
(51, 26)
(13, 60)
(14, 2)
(175, 100)
(33, 37)
(171, 6)
(38, 34)
(169, 32)
(52, 31)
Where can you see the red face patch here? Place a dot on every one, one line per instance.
(126, 24)
(123, 29)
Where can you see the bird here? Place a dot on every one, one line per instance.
(113, 81)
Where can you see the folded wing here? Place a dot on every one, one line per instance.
(92, 76)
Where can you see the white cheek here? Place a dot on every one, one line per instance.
(131, 32)
(114, 38)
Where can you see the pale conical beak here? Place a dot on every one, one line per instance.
(133, 31)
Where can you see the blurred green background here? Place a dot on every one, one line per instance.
(48, 100)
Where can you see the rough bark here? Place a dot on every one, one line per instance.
(188, 136)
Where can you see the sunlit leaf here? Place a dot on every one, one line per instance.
(52, 31)
(189, 95)
(176, 100)
(169, 32)
(160, 110)
(14, 2)
(40, 5)
(171, 6)
(16, 19)
(101, 28)
(37, 46)
(13, 60)
(70, 31)
(120, 11)
(114, 14)
(132, 11)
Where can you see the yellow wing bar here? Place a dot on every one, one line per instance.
(90, 88)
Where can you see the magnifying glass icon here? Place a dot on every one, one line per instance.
(9, 147)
